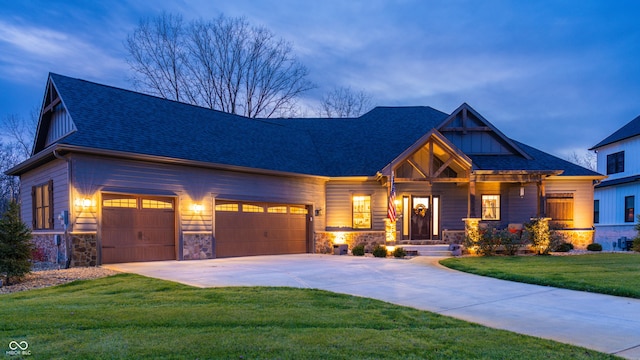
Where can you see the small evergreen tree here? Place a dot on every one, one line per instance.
(15, 245)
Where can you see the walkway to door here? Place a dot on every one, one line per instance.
(601, 322)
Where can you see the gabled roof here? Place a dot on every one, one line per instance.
(110, 119)
(631, 129)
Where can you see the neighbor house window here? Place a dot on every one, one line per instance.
(42, 206)
(615, 163)
(490, 207)
(596, 211)
(560, 209)
(362, 211)
(629, 208)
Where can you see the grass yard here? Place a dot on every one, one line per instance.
(607, 273)
(132, 317)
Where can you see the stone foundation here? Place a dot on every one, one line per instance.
(325, 240)
(46, 248)
(579, 238)
(84, 250)
(198, 246)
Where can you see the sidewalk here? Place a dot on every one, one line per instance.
(601, 322)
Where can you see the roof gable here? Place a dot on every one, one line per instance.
(54, 121)
(475, 135)
(631, 129)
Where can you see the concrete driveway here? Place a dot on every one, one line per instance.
(605, 323)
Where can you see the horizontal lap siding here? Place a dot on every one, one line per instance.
(339, 203)
(196, 185)
(57, 171)
(453, 200)
(582, 191)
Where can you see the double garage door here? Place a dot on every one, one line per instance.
(244, 229)
(143, 228)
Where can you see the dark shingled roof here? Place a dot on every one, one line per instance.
(631, 129)
(115, 119)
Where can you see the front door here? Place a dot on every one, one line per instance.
(424, 218)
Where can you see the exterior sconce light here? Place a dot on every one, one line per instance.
(86, 202)
(83, 204)
(318, 211)
(197, 208)
(521, 191)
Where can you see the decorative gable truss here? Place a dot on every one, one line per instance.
(474, 135)
(55, 121)
(434, 159)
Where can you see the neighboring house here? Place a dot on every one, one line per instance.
(616, 198)
(119, 176)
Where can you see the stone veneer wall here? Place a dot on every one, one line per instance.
(198, 246)
(84, 250)
(325, 239)
(607, 235)
(453, 236)
(46, 245)
(579, 238)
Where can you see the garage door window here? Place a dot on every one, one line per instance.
(298, 210)
(252, 208)
(120, 203)
(277, 209)
(156, 204)
(227, 207)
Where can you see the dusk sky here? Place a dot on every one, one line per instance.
(556, 75)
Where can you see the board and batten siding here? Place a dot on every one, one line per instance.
(582, 190)
(612, 203)
(339, 213)
(631, 148)
(193, 185)
(56, 170)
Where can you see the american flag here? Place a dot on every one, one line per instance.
(391, 211)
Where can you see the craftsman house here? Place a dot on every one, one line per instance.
(119, 176)
(616, 198)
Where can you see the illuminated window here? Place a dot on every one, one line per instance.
(42, 206)
(252, 208)
(362, 212)
(277, 209)
(629, 208)
(120, 203)
(298, 210)
(227, 207)
(156, 204)
(490, 207)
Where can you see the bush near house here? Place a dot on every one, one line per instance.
(564, 247)
(15, 245)
(379, 251)
(358, 250)
(399, 252)
(594, 247)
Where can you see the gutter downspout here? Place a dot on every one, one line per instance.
(68, 245)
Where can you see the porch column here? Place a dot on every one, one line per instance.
(542, 200)
(471, 202)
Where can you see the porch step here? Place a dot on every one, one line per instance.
(428, 250)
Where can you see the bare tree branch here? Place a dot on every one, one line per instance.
(342, 102)
(224, 64)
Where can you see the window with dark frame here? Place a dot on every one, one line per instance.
(42, 206)
(596, 211)
(629, 211)
(615, 163)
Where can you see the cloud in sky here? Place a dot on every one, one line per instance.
(558, 75)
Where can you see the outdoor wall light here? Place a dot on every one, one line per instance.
(521, 191)
(318, 211)
(86, 202)
(197, 208)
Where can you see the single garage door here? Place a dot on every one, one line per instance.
(137, 228)
(244, 229)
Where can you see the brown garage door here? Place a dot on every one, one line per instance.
(137, 228)
(244, 229)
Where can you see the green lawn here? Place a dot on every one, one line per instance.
(607, 273)
(133, 317)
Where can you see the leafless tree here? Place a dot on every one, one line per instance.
(20, 132)
(223, 64)
(157, 55)
(587, 160)
(342, 102)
